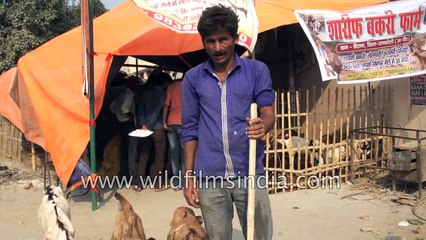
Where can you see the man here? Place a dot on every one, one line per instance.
(172, 122)
(150, 109)
(216, 129)
(124, 109)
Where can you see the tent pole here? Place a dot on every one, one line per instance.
(87, 31)
(92, 101)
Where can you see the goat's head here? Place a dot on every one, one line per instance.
(183, 213)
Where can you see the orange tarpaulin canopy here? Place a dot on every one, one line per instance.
(8, 108)
(43, 96)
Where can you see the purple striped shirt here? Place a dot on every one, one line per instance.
(214, 113)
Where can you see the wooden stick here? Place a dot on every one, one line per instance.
(33, 158)
(251, 180)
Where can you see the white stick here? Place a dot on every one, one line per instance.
(251, 180)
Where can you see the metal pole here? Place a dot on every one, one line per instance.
(419, 165)
(92, 102)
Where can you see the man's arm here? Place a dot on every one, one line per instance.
(260, 126)
(264, 97)
(165, 113)
(141, 113)
(268, 117)
(189, 136)
(190, 190)
(166, 107)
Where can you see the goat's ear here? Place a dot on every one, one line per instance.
(199, 219)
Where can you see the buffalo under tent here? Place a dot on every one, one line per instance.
(43, 96)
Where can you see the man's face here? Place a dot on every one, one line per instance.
(220, 47)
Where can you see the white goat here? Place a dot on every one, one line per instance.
(339, 151)
(294, 142)
(54, 215)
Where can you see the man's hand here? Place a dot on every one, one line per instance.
(260, 126)
(190, 192)
(256, 128)
(130, 116)
(165, 126)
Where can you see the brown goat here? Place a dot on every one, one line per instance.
(420, 53)
(186, 226)
(128, 225)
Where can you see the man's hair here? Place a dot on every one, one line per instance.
(158, 79)
(131, 80)
(218, 18)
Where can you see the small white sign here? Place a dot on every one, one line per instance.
(140, 133)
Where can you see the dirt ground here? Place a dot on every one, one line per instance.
(355, 211)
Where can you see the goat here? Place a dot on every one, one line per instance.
(339, 151)
(362, 150)
(186, 226)
(54, 215)
(128, 225)
(294, 142)
(420, 53)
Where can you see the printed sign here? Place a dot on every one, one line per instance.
(418, 90)
(182, 16)
(379, 42)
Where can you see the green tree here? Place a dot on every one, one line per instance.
(98, 9)
(27, 24)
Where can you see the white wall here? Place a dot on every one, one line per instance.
(402, 114)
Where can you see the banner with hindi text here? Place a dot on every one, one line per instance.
(379, 42)
(182, 16)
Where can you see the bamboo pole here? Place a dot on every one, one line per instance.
(307, 130)
(328, 125)
(321, 117)
(33, 158)
(290, 149)
(251, 180)
(2, 146)
(333, 142)
(20, 147)
(282, 128)
(342, 158)
(296, 104)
